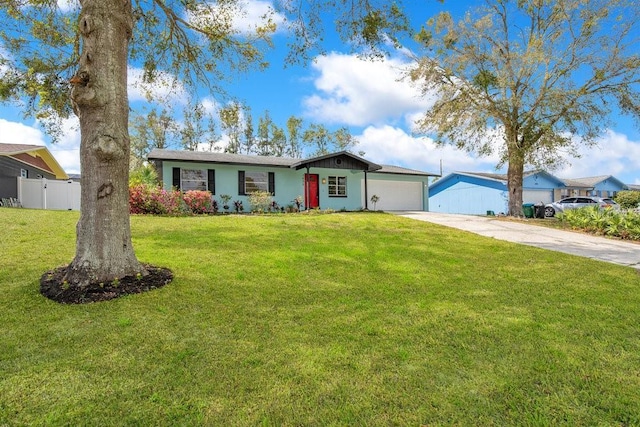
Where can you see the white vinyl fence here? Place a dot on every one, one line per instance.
(49, 194)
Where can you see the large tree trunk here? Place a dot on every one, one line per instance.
(515, 173)
(99, 95)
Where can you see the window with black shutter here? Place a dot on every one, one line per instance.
(176, 178)
(241, 191)
(272, 183)
(211, 181)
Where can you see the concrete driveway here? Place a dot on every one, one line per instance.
(600, 248)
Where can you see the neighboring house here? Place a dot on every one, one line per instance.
(25, 161)
(478, 193)
(633, 187)
(600, 186)
(335, 181)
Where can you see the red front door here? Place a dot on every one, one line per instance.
(311, 191)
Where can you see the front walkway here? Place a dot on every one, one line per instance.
(595, 247)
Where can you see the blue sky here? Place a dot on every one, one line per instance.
(366, 96)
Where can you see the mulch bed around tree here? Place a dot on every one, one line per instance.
(53, 286)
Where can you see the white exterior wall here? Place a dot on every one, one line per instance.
(537, 196)
(395, 195)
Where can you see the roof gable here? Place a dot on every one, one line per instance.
(339, 160)
(37, 156)
(487, 180)
(593, 181)
(541, 178)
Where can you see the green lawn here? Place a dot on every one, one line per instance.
(341, 319)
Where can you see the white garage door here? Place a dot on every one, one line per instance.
(395, 195)
(537, 196)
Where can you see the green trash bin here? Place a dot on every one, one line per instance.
(527, 209)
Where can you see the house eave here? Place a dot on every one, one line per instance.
(46, 156)
(309, 162)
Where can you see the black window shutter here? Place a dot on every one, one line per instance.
(211, 181)
(272, 183)
(176, 178)
(241, 183)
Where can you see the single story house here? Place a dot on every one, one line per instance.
(25, 161)
(340, 181)
(599, 186)
(477, 193)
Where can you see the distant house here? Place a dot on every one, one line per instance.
(25, 161)
(477, 193)
(600, 186)
(633, 187)
(337, 181)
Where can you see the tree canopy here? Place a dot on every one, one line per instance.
(177, 44)
(529, 79)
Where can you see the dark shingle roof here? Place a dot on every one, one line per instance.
(403, 171)
(586, 182)
(226, 158)
(244, 159)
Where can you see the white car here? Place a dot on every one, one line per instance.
(578, 202)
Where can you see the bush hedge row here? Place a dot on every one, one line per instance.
(150, 199)
(623, 224)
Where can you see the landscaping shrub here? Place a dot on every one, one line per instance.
(153, 200)
(199, 202)
(146, 175)
(608, 222)
(148, 199)
(260, 201)
(628, 199)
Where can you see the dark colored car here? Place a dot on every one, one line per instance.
(578, 202)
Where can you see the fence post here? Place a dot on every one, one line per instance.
(44, 192)
(19, 184)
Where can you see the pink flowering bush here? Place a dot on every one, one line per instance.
(198, 201)
(153, 200)
(149, 199)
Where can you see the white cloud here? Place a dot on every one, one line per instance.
(358, 92)
(166, 88)
(254, 16)
(210, 105)
(19, 133)
(393, 146)
(615, 155)
(243, 17)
